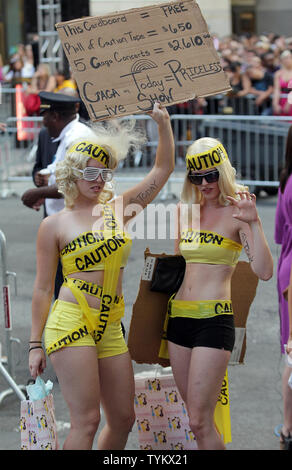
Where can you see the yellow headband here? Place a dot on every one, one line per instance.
(202, 161)
(92, 150)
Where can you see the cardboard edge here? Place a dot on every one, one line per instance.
(129, 10)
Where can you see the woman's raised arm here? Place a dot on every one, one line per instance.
(144, 192)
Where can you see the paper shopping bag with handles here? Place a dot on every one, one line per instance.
(162, 419)
(37, 418)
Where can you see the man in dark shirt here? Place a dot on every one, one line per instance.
(45, 153)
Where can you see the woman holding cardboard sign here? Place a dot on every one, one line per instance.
(83, 334)
(200, 329)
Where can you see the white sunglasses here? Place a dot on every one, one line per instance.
(90, 173)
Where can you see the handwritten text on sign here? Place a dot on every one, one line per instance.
(126, 61)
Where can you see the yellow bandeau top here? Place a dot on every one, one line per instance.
(202, 246)
(88, 251)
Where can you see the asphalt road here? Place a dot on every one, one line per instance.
(255, 387)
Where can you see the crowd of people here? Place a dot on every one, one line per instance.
(259, 68)
(24, 68)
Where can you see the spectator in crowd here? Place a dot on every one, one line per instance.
(15, 72)
(241, 85)
(270, 62)
(262, 46)
(261, 85)
(21, 64)
(283, 76)
(247, 57)
(42, 80)
(278, 44)
(239, 81)
(63, 82)
(25, 54)
(289, 44)
(249, 40)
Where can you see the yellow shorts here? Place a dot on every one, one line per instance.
(67, 316)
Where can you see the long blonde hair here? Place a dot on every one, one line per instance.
(227, 176)
(116, 137)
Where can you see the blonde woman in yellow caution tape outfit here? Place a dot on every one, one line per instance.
(200, 329)
(83, 334)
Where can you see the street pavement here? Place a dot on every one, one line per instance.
(255, 387)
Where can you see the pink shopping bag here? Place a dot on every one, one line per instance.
(162, 419)
(38, 424)
(161, 416)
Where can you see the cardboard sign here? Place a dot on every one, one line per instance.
(125, 61)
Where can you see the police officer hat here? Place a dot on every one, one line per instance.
(57, 102)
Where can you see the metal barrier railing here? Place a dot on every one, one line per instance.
(17, 158)
(8, 372)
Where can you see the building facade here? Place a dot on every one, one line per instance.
(223, 17)
(18, 18)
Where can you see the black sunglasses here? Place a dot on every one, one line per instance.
(210, 177)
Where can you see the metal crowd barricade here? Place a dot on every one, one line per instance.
(255, 144)
(8, 372)
(4, 157)
(7, 98)
(17, 158)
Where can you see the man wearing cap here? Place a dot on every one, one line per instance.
(62, 122)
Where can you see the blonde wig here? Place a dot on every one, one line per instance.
(116, 138)
(227, 183)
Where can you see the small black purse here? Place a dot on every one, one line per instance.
(169, 274)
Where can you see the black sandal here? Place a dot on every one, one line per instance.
(285, 442)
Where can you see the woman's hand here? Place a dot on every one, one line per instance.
(286, 107)
(277, 109)
(289, 346)
(37, 362)
(159, 113)
(245, 207)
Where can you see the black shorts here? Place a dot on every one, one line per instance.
(216, 332)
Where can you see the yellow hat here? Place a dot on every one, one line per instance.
(92, 150)
(209, 159)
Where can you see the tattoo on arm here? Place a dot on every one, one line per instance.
(142, 197)
(246, 246)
